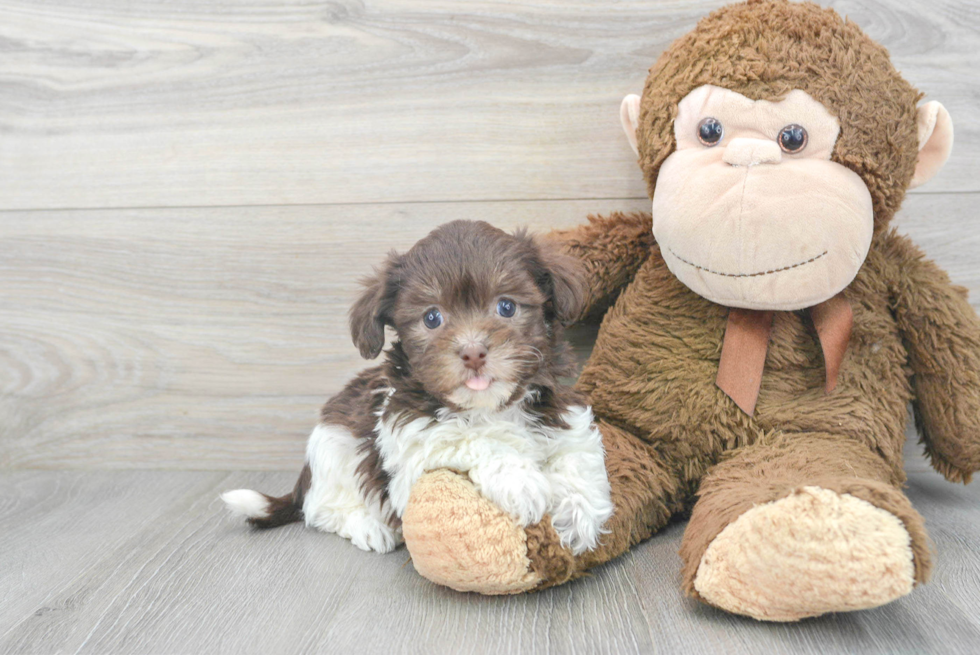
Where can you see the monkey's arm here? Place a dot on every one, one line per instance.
(611, 249)
(942, 334)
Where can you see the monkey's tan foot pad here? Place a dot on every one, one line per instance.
(459, 539)
(810, 553)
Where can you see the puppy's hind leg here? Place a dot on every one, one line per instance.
(335, 501)
(264, 511)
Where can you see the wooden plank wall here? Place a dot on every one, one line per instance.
(190, 190)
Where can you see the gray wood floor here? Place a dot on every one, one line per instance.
(188, 193)
(148, 562)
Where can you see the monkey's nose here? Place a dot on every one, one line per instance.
(474, 356)
(751, 152)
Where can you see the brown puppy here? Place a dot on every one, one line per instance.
(471, 384)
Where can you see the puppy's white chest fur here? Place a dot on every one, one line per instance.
(527, 468)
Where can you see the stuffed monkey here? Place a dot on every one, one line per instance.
(762, 333)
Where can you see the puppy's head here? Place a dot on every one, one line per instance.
(478, 312)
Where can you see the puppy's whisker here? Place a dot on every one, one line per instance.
(537, 353)
(518, 362)
(529, 359)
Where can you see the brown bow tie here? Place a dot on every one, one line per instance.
(743, 353)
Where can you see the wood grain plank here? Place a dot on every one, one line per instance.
(177, 338)
(148, 562)
(77, 531)
(208, 338)
(142, 103)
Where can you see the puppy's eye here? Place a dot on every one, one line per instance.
(506, 308)
(432, 319)
(710, 131)
(792, 138)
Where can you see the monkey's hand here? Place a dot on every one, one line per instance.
(611, 250)
(460, 539)
(942, 333)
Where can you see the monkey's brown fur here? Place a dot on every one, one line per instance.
(652, 375)
(674, 441)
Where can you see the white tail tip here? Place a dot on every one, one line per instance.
(247, 503)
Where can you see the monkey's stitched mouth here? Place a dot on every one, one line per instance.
(775, 270)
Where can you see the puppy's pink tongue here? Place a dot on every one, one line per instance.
(479, 383)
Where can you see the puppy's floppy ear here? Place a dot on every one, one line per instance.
(566, 285)
(372, 310)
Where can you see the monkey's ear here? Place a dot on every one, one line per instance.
(372, 310)
(629, 115)
(935, 141)
(566, 281)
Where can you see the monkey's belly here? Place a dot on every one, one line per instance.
(654, 365)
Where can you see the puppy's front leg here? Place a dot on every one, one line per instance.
(515, 485)
(576, 469)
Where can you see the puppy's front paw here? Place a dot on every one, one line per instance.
(521, 492)
(368, 533)
(579, 522)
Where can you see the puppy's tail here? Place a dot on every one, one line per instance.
(264, 511)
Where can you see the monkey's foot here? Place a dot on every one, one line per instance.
(807, 554)
(459, 539)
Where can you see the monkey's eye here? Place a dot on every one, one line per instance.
(506, 307)
(792, 138)
(710, 131)
(432, 319)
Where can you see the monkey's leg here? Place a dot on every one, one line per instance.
(461, 540)
(800, 525)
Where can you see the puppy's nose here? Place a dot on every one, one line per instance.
(474, 356)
